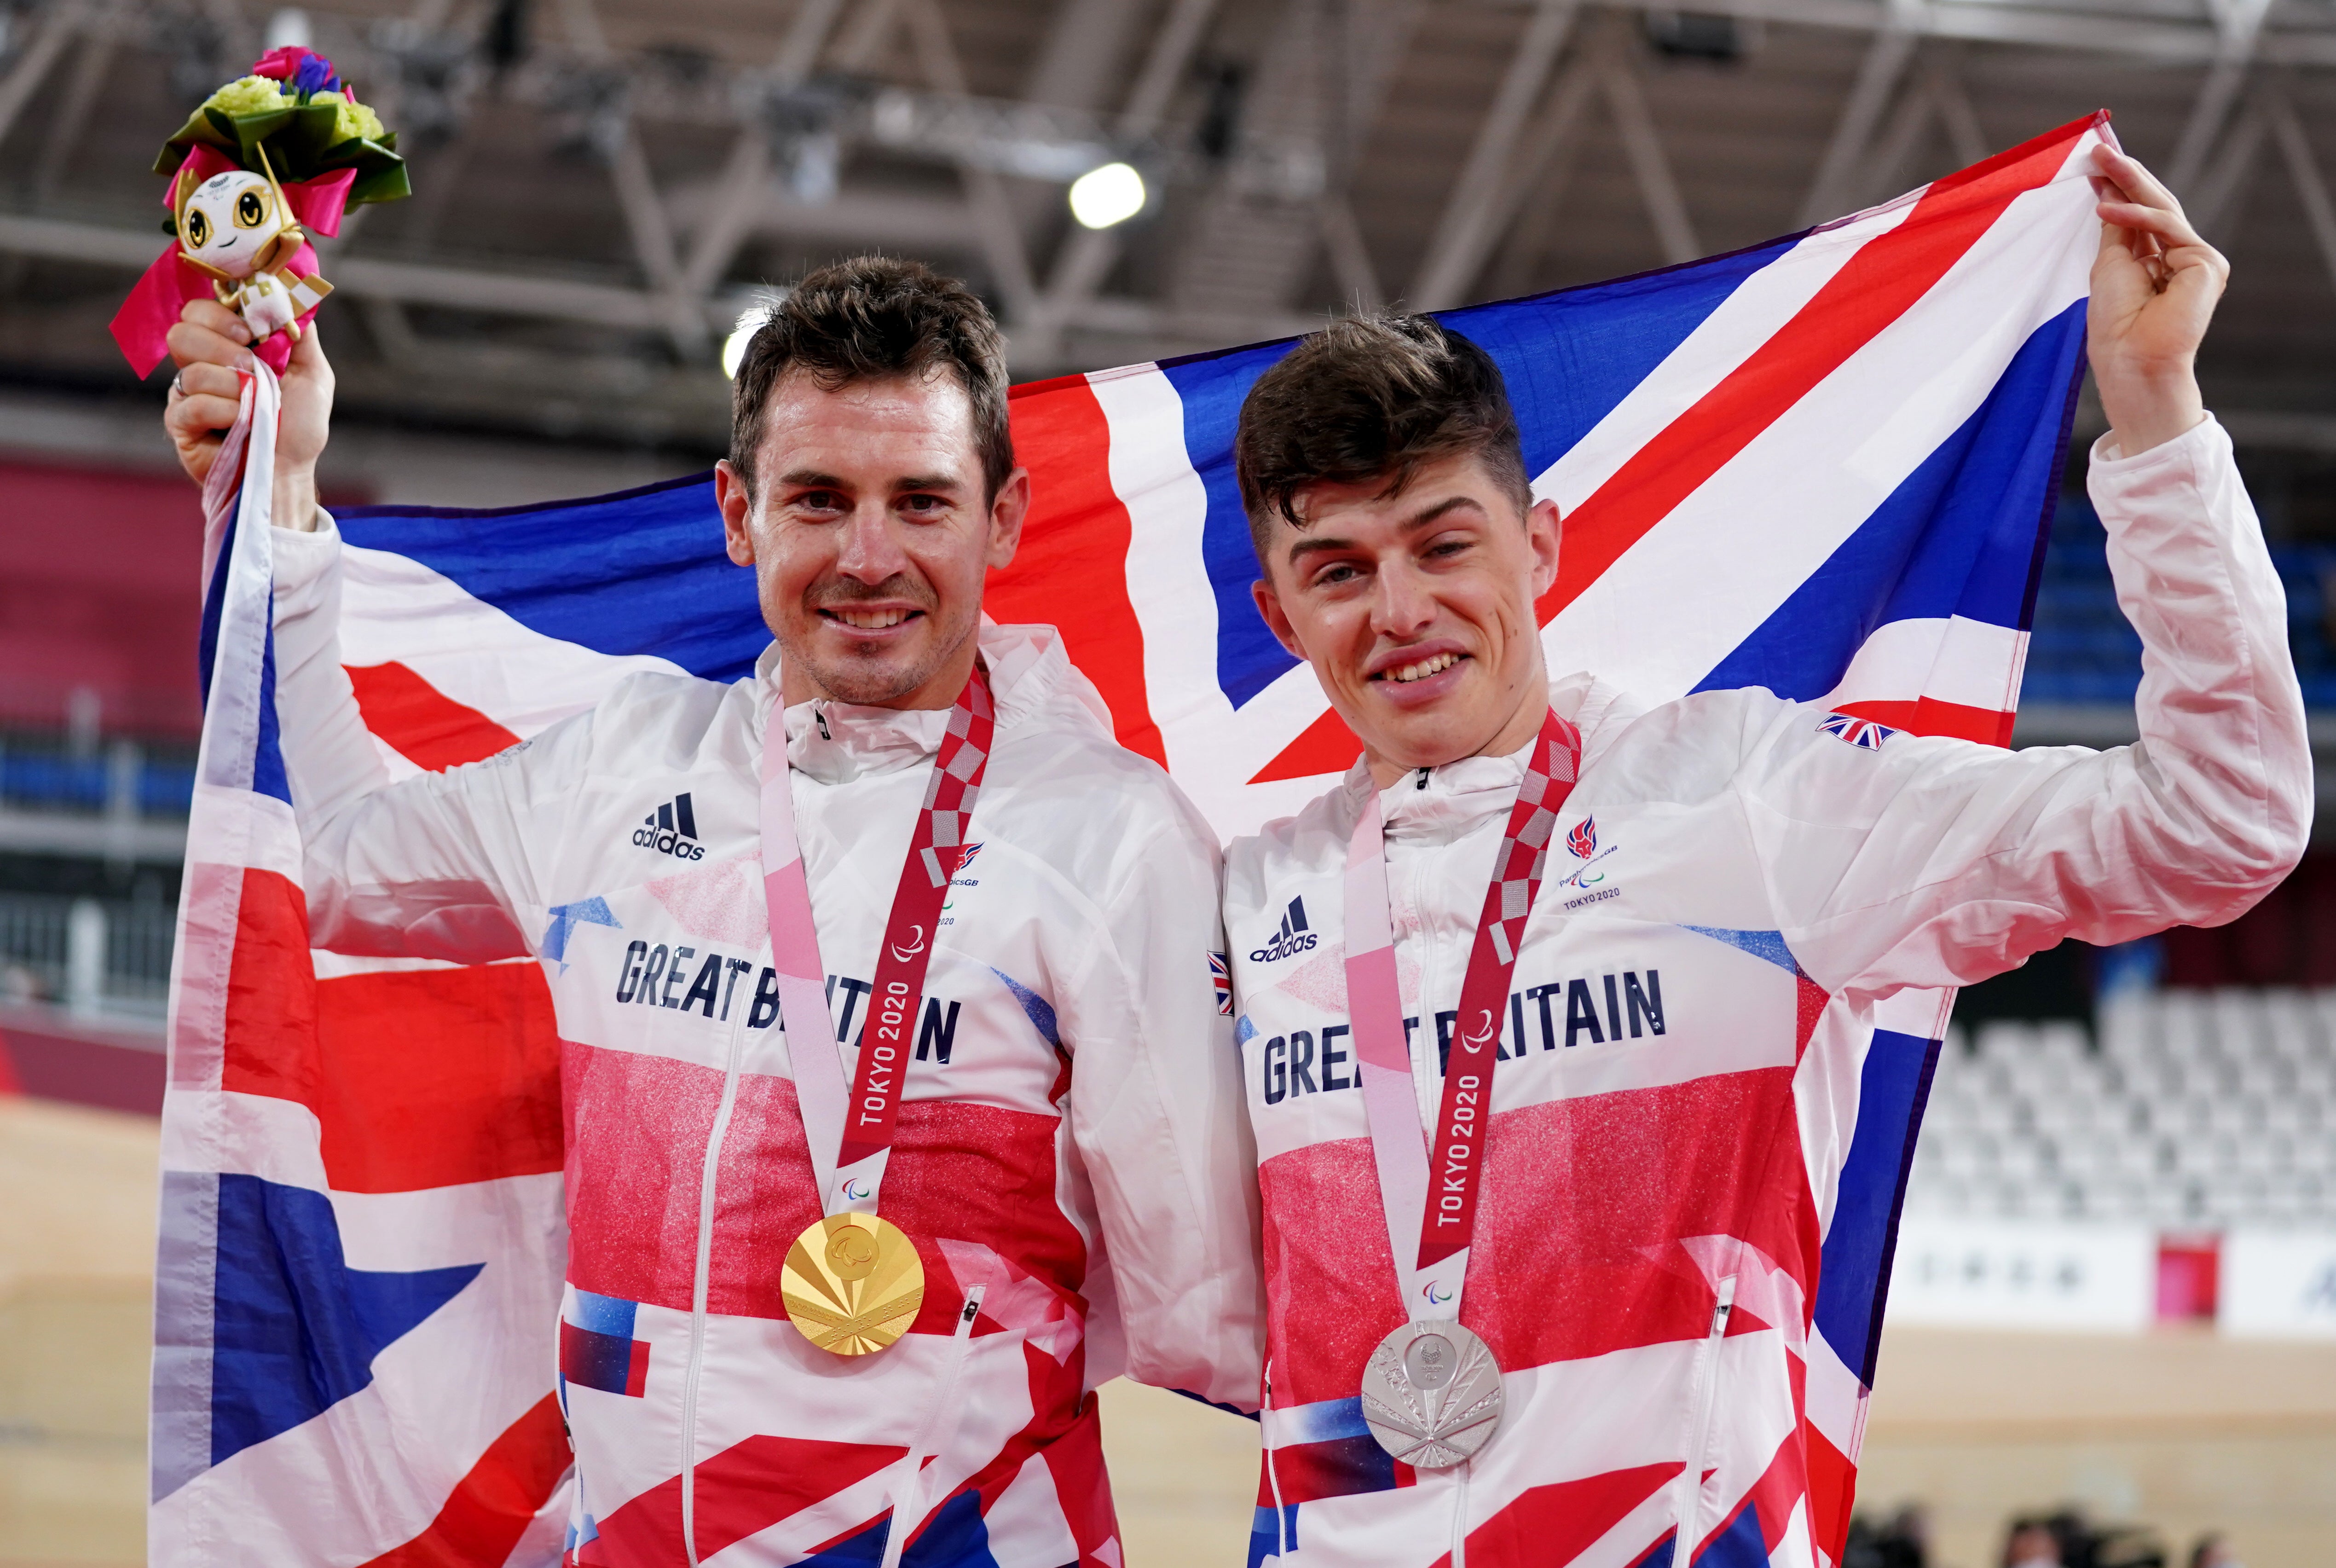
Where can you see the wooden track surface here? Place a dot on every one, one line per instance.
(2185, 1431)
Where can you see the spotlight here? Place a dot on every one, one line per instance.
(1112, 193)
(742, 332)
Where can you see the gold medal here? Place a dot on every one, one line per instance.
(853, 1283)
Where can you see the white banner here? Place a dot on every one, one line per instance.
(2279, 1283)
(2012, 1274)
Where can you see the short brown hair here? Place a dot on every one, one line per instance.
(875, 319)
(1371, 398)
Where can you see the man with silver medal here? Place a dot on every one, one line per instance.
(1634, 944)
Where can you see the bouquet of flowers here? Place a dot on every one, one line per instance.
(262, 164)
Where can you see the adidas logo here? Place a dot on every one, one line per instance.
(671, 829)
(1291, 940)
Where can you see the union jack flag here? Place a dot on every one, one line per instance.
(1821, 465)
(1222, 976)
(1862, 733)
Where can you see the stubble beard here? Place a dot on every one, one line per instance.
(876, 682)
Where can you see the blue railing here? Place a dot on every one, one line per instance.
(45, 776)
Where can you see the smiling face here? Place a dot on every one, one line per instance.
(870, 533)
(1417, 611)
(229, 221)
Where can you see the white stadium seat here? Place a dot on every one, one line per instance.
(2194, 1109)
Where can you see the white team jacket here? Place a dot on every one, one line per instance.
(1071, 1137)
(1682, 1049)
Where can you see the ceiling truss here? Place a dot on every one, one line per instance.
(1261, 216)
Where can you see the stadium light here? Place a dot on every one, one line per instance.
(742, 332)
(1109, 194)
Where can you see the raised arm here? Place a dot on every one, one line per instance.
(1932, 861)
(434, 867)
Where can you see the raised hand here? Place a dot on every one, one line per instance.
(209, 345)
(2155, 285)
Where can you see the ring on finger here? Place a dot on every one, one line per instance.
(178, 386)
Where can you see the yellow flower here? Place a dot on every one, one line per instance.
(350, 118)
(250, 95)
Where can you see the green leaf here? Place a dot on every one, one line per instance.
(385, 184)
(300, 145)
(306, 139)
(204, 127)
(252, 129)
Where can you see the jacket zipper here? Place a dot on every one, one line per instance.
(907, 1496)
(1707, 1381)
(697, 1291)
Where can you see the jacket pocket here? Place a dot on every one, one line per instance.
(907, 1491)
(1704, 1395)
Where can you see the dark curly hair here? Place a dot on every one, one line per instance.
(1368, 399)
(875, 319)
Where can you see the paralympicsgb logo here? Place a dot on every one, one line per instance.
(671, 829)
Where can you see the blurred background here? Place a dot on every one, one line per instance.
(2112, 1335)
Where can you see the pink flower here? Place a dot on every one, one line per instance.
(304, 68)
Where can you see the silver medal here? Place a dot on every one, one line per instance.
(1431, 1394)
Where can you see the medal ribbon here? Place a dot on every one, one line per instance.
(851, 1131)
(1427, 1185)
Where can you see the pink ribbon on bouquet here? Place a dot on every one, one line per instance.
(142, 326)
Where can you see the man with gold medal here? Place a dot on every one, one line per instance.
(1541, 1145)
(901, 1107)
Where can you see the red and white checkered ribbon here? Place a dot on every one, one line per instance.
(857, 1124)
(1429, 1187)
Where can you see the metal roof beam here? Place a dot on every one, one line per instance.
(2238, 24)
(747, 169)
(1083, 48)
(33, 66)
(1643, 148)
(2215, 195)
(1473, 218)
(1544, 166)
(1877, 78)
(552, 298)
(1880, 176)
(1086, 258)
(2303, 170)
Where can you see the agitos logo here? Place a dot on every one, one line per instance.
(672, 829)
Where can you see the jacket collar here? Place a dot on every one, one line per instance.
(836, 742)
(1436, 805)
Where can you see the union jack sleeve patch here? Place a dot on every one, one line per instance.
(1862, 733)
(1220, 975)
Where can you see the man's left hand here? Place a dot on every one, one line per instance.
(2154, 284)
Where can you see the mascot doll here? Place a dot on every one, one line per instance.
(265, 162)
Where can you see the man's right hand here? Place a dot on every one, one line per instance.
(210, 346)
